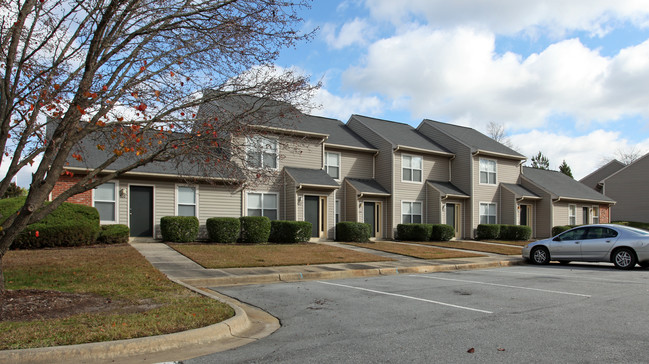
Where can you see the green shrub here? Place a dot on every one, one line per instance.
(69, 225)
(254, 229)
(414, 232)
(442, 232)
(179, 229)
(556, 230)
(515, 232)
(113, 234)
(353, 232)
(223, 230)
(488, 231)
(289, 232)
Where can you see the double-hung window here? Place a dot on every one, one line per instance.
(104, 200)
(572, 214)
(186, 199)
(487, 213)
(487, 171)
(332, 164)
(262, 152)
(262, 204)
(595, 214)
(412, 168)
(411, 213)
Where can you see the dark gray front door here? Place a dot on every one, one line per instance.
(312, 214)
(368, 215)
(523, 215)
(450, 215)
(141, 211)
(586, 218)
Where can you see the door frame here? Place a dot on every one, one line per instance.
(378, 217)
(458, 217)
(128, 205)
(322, 213)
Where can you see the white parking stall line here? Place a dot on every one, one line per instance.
(502, 285)
(572, 277)
(404, 296)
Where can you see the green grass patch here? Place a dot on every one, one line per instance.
(117, 272)
(214, 256)
(416, 251)
(480, 247)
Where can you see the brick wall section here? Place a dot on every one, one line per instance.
(603, 214)
(65, 182)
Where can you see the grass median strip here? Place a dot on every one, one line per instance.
(135, 299)
(416, 251)
(475, 246)
(215, 256)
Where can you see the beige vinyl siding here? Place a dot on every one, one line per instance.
(355, 164)
(508, 207)
(507, 171)
(629, 189)
(434, 203)
(290, 200)
(300, 152)
(350, 204)
(543, 210)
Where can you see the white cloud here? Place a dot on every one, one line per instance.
(355, 32)
(514, 16)
(456, 75)
(343, 107)
(583, 153)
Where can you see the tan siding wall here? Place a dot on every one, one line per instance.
(300, 152)
(434, 206)
(290, 201)
(543, 211)
(507, 171)
(355, 164)
(629, 189)
(350, 204)
(508, 208)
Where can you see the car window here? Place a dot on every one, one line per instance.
(574, 234)
(609, 233)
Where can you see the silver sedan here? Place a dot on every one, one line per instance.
(622, 245)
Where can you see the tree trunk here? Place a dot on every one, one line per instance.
(2, 277)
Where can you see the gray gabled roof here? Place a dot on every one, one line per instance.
(339, 133)
(562, 186)
(400, 134)
(520, 191)
(594, 178)
(368, 186)
(473, 139)
(447, 189)
(311, 177)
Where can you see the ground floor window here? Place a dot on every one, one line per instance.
(595, 214)
(487, 213)
(411, 213)
(337, 214)
(572, 214)
(186, 201)
(262, 204)
(105, 202)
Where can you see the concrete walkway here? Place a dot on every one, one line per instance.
(249, 323)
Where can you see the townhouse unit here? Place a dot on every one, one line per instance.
(324, 171)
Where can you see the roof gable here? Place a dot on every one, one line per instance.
(562, 186)
(601, 173)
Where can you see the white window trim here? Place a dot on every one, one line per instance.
(249, 141)
(573, 216)
(340, 162)
(495, 172)
(487, 203)
(262, 201)
(116, 221)
(412, 202)
(592, 214)
(413, 169)
(338, 210)
(196, 195)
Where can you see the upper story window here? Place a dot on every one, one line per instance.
(487, 171)
(262, 204)
(332, 164)
(412, 168)
(104, 200)
(186, 201)
(262, 152)
(572, 214)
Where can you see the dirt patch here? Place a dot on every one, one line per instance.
(31, 304)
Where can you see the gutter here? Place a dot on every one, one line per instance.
(495, 154)
(421, 150)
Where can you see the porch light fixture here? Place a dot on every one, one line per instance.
(123, 192)
(299, 200)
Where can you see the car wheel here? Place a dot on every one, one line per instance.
(540, 255)
(624, 258)
(564, 262)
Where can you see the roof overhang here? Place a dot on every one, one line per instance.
(291, 131)
(348, 147)
(155, 175)
(422, 150)
(564, 198)
(499, 155)
(308, 185)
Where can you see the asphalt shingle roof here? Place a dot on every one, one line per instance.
(312, 177)
(368, 186)
(520, 191)
(473, 138)
(447, 188)
(400, 134)
(602, 173)
(561, 185)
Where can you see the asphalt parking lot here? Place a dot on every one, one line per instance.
(573, 313)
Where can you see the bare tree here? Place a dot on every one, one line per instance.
(125, 77)
(629, 155)
(497, 132)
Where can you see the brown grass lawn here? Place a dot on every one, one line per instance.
(422, 252)
(214, 256)
(475, 246)
(509, 242)
(118, 273)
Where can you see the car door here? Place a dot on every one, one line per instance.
(598, 243)
(568, 245)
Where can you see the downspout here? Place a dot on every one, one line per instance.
(374, 164)
(450, 168)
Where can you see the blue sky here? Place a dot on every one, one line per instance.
(565, 78)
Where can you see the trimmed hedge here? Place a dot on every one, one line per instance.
(69, 225)
(255, 229)
(357, 232)
(442, 232)
(289, 232)
(113, 234)
(414, 232)
(556, 230)
(488, 231)
(223, 230)
(515, 232)
(179, 229)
